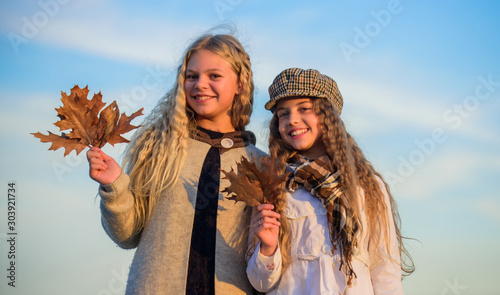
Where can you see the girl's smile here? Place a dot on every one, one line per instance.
(297, 133)
(203, 97)
(299, 126)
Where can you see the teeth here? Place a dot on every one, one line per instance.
(203, 97)
(298, 132)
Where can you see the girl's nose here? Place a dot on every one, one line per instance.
(293, 118)
(201, 83)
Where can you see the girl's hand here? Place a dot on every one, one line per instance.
(266, 228)
(103, 168)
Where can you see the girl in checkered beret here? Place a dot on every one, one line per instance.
(335, 229)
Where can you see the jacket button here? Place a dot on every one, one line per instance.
(326, 249)
(227, 142)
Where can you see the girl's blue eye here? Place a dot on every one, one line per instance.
(191, 77)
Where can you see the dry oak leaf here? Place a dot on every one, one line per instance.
(255, 182)
(90, 124)
(241, 189)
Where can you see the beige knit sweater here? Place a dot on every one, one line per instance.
(163, 246)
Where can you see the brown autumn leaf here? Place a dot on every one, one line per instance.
(90, 124)
(241, 189)
(255, 182)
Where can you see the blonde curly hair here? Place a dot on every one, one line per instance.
(157, 151)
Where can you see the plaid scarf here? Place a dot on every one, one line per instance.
(322, 180)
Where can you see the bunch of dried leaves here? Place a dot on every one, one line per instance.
(90, 124)
(255, 182)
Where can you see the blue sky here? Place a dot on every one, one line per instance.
(421, 88)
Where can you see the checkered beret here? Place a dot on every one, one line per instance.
(299, 82)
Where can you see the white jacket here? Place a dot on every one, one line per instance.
(314, 269)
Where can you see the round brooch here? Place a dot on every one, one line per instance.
(227, 142)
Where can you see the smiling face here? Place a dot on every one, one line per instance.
(210, 87)
(299, 126)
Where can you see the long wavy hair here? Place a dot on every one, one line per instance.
(157, 151)
(356, 172)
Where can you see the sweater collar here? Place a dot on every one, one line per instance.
(225, 141)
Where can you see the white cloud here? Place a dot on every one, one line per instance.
(394, 104)
(375, 108)
(441, 171)
(78, 27)
(126, 41)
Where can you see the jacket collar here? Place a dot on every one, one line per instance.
(224, 141)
